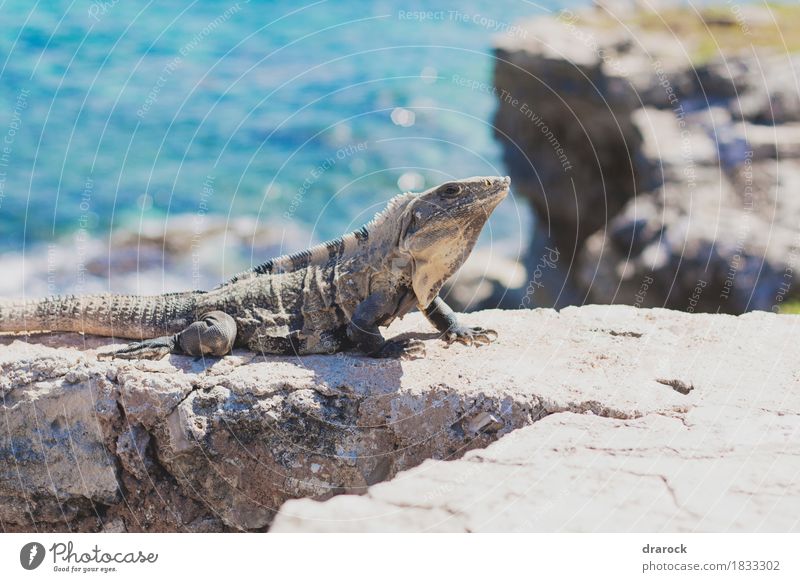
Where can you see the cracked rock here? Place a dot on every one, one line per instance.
(483, 422)
(223, 445)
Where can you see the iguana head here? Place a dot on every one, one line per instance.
(439, 228)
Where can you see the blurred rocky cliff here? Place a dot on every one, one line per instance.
(660, 151)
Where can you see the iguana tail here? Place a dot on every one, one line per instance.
(123, 316)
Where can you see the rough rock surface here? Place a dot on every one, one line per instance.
(698, 431)
(220, 445)
(651, 163)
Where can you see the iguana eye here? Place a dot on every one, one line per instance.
(451, 190)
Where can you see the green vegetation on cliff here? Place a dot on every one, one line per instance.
(710, 32)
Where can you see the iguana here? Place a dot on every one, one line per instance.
(329, 298)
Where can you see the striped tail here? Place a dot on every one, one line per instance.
(123, 316)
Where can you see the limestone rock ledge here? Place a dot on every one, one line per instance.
(627, 418)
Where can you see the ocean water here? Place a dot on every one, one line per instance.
(117, 113)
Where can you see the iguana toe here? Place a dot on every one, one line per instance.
(152, 349)
(405, 349)
(468, 336)
(413, 350)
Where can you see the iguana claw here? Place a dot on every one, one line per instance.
(468, 336)
(405, 349)
(152, 349)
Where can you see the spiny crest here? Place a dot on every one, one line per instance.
(329, 251)
(393, 209)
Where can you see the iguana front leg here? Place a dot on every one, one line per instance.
(363, 330)
(444, 319)
(213, 335)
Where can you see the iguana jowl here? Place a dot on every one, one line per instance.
(331, 297)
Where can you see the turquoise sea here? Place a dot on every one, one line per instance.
(120, 111)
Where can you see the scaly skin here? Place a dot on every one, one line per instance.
(332, 297)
